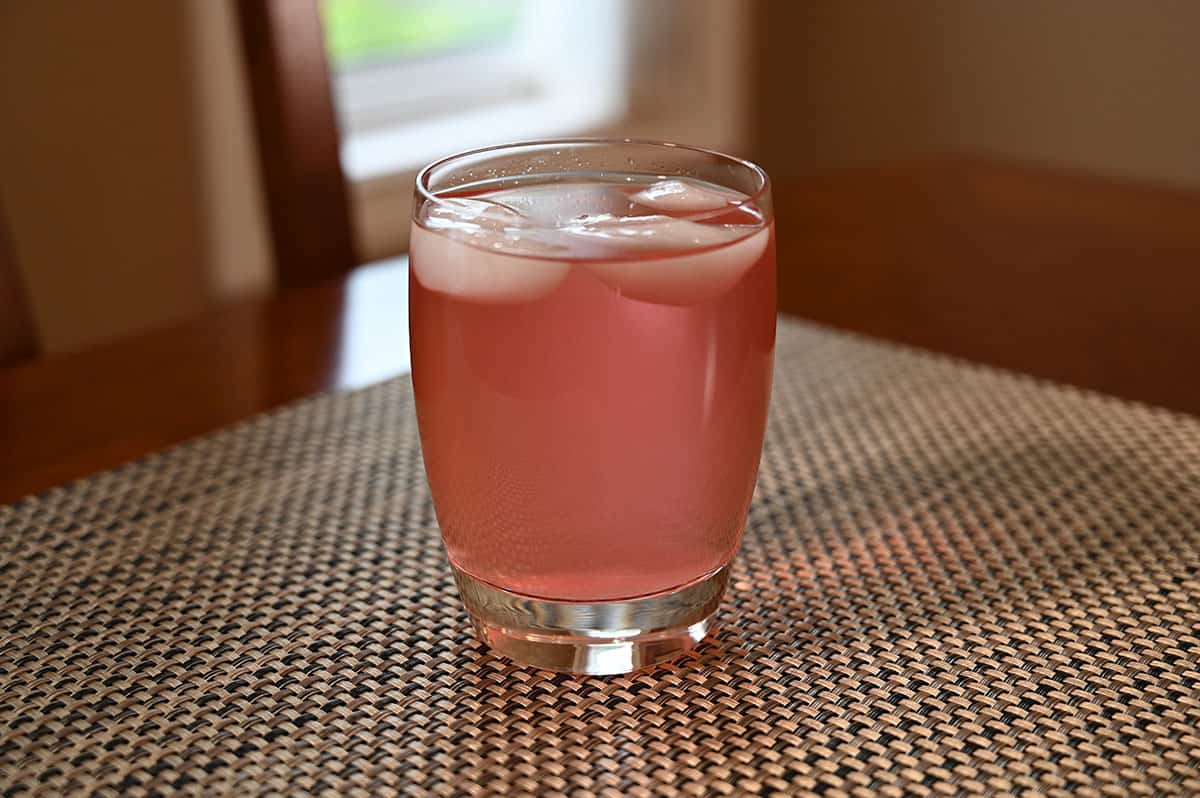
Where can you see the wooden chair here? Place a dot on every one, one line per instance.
(297, 133)
(308, 213)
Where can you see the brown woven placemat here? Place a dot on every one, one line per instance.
(953, 581)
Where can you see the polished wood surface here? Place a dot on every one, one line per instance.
(65, 417)
(297, 135)
(17, 337)
(1072, 278)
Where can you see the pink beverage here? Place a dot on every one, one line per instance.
(592, 364)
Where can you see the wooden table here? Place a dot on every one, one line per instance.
(1072, 278)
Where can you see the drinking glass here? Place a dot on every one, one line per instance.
(593, 331)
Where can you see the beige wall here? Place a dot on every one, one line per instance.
(238, 249)
(126, 166)
(1111, 86)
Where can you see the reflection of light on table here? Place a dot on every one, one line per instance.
(374, 341)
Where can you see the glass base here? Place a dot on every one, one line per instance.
(606, 637)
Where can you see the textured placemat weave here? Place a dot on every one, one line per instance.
(953, 580)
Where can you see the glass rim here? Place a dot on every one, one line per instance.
(751, 200)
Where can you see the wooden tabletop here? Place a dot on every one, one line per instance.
(65, 417)
(1078, 279)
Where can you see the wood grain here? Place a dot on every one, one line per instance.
(1070, 278)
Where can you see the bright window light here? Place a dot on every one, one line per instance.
(418, 79)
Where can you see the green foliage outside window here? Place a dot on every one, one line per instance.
(362, 32)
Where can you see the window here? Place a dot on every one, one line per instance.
(417, 79)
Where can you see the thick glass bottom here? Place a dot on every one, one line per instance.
(606, 637)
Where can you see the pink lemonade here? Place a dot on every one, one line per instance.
(592, 363)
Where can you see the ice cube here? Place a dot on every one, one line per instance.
(555, 204)
(483, 251)
(725, 253)
(685, 196)
(469, 213)
(616, 234)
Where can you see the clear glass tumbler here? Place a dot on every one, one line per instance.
(593, 332)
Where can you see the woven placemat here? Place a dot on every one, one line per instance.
(953, 581)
